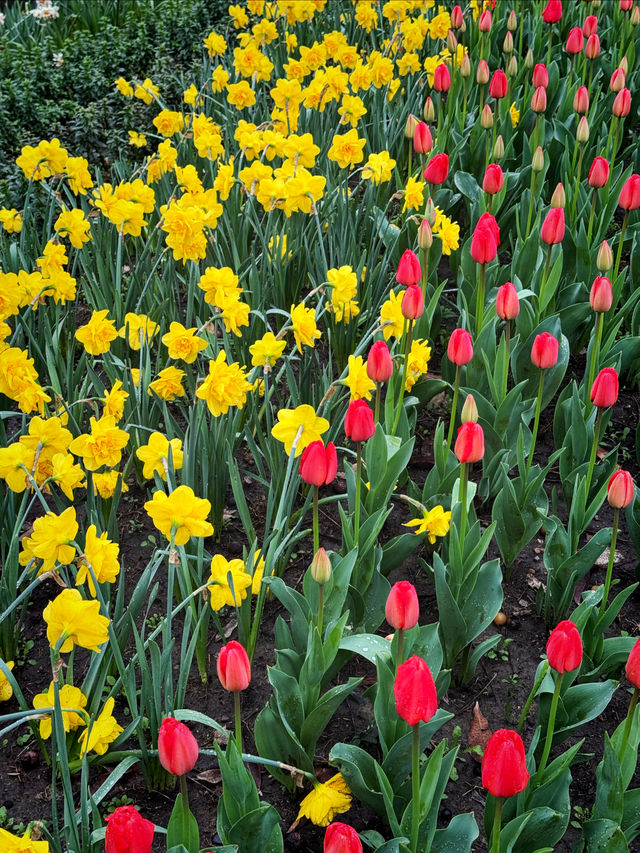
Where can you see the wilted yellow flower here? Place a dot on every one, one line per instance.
(10, 843)
(182, 512)
(303, 419)
(514, 112)
(102, 555)
(221, 592)
(70, 697)
(78, 621)
(6, 690)
(155, 455)
(435, 522)
(327, 800)
(103, 731)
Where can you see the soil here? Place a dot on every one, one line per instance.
(500, 686)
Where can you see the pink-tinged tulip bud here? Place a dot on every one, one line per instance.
(507, 44)
(341, 838)
(469, 410)
(437, 169)
(559, 198)
(412, 302)
(358, 422)
(621, 490)
(528, 60)
(626, 5)
(379, 362)
(498, 148)
(486, 117)
(430, 212)
(604, 391)
(599, 173)
(321, 566)
(414, 691)
(552, 230)
(493, 179)
(635, 16)
(409, 269)
(128, 832)
(582, 132)
(581, 100)
(617, 81)
(590, 26)
(632, 668)
(544, 352)
(539, 100)
(319, 464)
(630, 193)
(402, 609)
(465, 66)
(425, 235)
(552, 12)
(540, 75)
(564, 647)
(499, 85)
(460, 348)
(622, 103)
(512, 21)
(537, 161)
(442, 78)
(469, 446)
(504, 764)
(452, 42)
(422, 139)
(484, 245)
(177, 747)
(429, 112)
(507, 302)
(410, 126)
(592, 49)
(456, 17)
(575, 41)
(484, 24)
(604, 261)
(234, 668)
(601, 296)
(512, 66)
(482, 73)
(623, 65)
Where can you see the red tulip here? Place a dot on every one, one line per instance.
(442, 78)
(128, 832)
(412, 305)
(493, 179)
(618, 79)
(601, 296)
(379, 362)
(488, 220)
(484, 23)
(422, 139)
(552, 12)
(457, 19)
(499, 84)
(599, 173)
(622, 103)
(590, 25)
(402, 608)
(621, 490)
(592, 50)
(485, 239)
(358, 422)
(630, 193)
(504, 764)
(460, 349)
(552, 230)
(409, 269)
(234, 668)
(540, 75)
(604, 391)
(177, 747)
(415, 691)
(507, 302)
(544, 352)
(319, 464)
(575, 40)
(469, 446)
(564, 647)
(341, 838)
(437, 169)
(539, 100)
(581, 100)
(626, 5)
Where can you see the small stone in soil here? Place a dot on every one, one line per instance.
(445, 815)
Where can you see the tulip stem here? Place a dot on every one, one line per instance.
(415, 788)
(407, 349)
(545, 275)
(531, 697)
(595, 356)
(505, 375)
(534, 176)
(400, 648)
(320, 608)
(454, 407)
(536, 423)
(236, 706)
(356, 522)
(480, 300)
(616, 269)
(497, 825)
(185, 799)
(316, 531)
(574, 201)
(550, 724)
(612, 555)
(376, 416)
(425, 272)
(615, 147)
(410, 169)
(606, 150)
(550, 41)
(627, 728)
(591, 215)
(594, 449)
(464, 479)
(464, 106)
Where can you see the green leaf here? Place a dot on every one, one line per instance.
(458, 836)
(183, 828)
(369, 646)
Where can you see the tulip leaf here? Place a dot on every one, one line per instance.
(324, 710)
(182, 828)
(257, 830)
(359, 771)
(459, 835)
(369, 646)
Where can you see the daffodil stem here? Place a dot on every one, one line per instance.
(550, 724)
(531, 697)
(616, 269)
(594, 449)
(320, 607)
(627, 728)
(356, 522)
(316, 531)
(497, 825)
(236, 707)
(536, 423)
(464, 479)
(595, 357)
(612, 555)
(415, 788)
(454, 406)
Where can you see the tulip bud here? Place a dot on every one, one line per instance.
(632, 668)
(558, 199)
(358, 422)
(624, 65)
(177, 747)
(127, 832)
(504, 764)
(507, 302)
(528, 59)
(626, 5)
(465, 66)
(507, 44)
(321, 564)
(540, 75)
(341, 838)
(604, 391)
(379, 362)
(437, 169)
(635, 16)
(498, 148)
(581, 100)
(564, 647)
(484, 24)
(512, 21)
(402, 608)
(552, 230)
(512, 66)
(601, 295)
(456, 17)
(575, 41)
(452, 42)
(428, 112)
(604, 261)
(582, 133)
(482, 73)
(590, 25)
(412, 302)
(430, 212)
(539, 100)
(599, 173)
(233, 666)
(486, 117)
(469, 446)
(422, 139)
(442, 78)
(552, 12)
(460, 348)
(622, 103)
(499, 85)
(621, 490)
(629, 198)
(544, 352)
(414, 691)
(319, 464)
(485, 239)
(409, 269)
(425, 235)
(537, 161)
(617, 81)
(410, 126)
(592, 50)
(493, 179)
(469, 410)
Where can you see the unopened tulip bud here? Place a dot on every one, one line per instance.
(581, 100)
(460, 348)
(499, 85)
(635, 16)
(507, 44)
(484, 23)
(512, 21)
(379, 362)
(540, 75)
(409, 269)
(507, 302)
(469, 410)
(590, 25)
(539, 100)
(601, 295)
(624, 65)
(430, 212)
(428, 112)
(442, 78)
(321, 566)
(564, 647)
(465, 66)
(512, 66)
(553, 226)
(582, 133)
(626, 5)
(422, 139)
(604, 391)
(456, 17)
(621, 490)
(412, 305)
(622, 103)
(537, 162)
(425, 235)
(486, 117)
(544, 352)
(617, 80)
(493, 180)
(592, 49)
(402, 608)
(604, 261)
(452, 41)
(528, 60)
(629, 198)
(595, 4)
(558, 199)
(498, 148)
(234, 667)
(482, 73)
(575, 41)
(469, 446)
(599, 173)
(410, 126)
